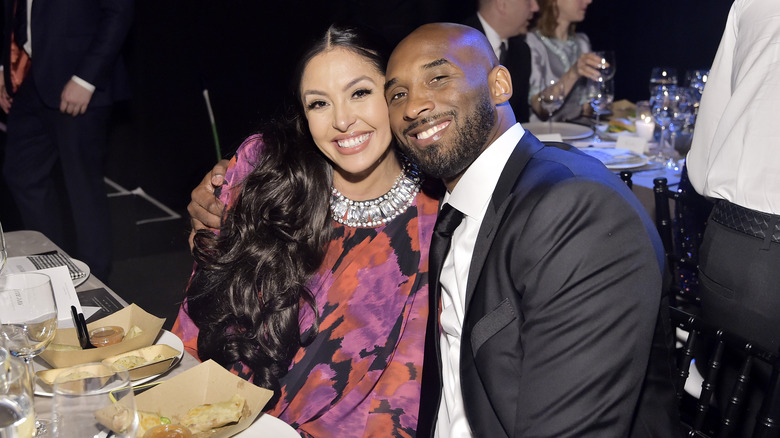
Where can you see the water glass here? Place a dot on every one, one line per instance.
(92, 400)
(17, 419)
(662, 76)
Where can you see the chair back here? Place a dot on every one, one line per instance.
(681, 233)
(710, 419)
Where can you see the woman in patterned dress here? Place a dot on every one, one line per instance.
(316, 285)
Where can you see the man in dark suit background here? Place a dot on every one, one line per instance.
(506, 22)
(59, 114)
(552, 318)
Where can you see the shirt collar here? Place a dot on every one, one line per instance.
(492, 36)
(475, 188)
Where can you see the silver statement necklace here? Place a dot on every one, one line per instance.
(381, 210)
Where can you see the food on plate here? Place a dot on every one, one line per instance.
(130, 362)
(76, 375)
(620, 125)
(148, 420)
(133, 332)
(105, 336)
(213, 415)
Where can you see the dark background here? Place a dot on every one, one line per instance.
(243, 52)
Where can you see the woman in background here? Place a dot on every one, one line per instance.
(316, 285)
(560, 54)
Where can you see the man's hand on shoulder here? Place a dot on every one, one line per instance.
(205, 208)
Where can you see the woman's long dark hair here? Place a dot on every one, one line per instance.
(251, 278)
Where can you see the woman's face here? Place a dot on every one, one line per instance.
(343, 99)
(572, 11)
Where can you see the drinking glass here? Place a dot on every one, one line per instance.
(3, 250)
(607, 65)
(600, 94)
(696, 79)
(16, 401)
(551, 99)
(28, 319)
(662, 76)
(672, 109)
(93, 399)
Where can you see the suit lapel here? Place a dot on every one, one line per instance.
(524, 150)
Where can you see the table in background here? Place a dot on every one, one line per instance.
(23, 243)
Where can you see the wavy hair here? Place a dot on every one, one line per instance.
(547, 18)
(251, 279)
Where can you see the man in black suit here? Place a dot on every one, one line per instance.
(506, 22)
(60, 114)
(552, 318)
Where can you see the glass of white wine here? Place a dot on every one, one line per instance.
(551, 99)
(16, 401)
(28, 318)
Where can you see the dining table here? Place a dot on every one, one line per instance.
(27, 242)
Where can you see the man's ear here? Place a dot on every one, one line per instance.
(500, 84)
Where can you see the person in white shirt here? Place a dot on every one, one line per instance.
(553, 322)
(734, 160)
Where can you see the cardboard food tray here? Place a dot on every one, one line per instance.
(205, 383)
(125, 318)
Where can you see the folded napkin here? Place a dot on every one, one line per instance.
(52, 259)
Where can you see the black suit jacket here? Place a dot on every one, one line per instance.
(518, 62)
(77, 37)
(566, 333)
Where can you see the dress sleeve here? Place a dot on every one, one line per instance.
(240, 166)
(539, 64)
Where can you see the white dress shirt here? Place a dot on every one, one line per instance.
(493, 38)
(735, 154)
(471, 196)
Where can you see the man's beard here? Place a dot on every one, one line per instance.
(441, 160)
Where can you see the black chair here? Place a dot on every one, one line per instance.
(703, 417)
(681, 233)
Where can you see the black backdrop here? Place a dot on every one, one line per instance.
(243, 52)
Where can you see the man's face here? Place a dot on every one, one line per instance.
(523, 11)
(441, 109)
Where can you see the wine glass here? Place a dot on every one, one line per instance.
(551, 99)
(697, 79)
(3, 249)
(28, 319)
(662, 76)
(92, 399)
(16, 401)
(607, 66)
(672, 108)
(600, 94)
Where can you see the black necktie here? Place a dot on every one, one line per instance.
(502, 49)
(448, 220)
(20, 22)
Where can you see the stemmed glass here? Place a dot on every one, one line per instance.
(91, 399)
(600, 94)
(672, 107)
(662, 76)
(16, 400)
(607, 67)
(28, 318)
(551, 99)
(3, 250)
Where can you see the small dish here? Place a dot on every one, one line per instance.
(166, 338)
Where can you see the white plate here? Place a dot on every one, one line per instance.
(268, 426)
(166, 338)
(568, 131)
(616, 159)
(84, 268)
